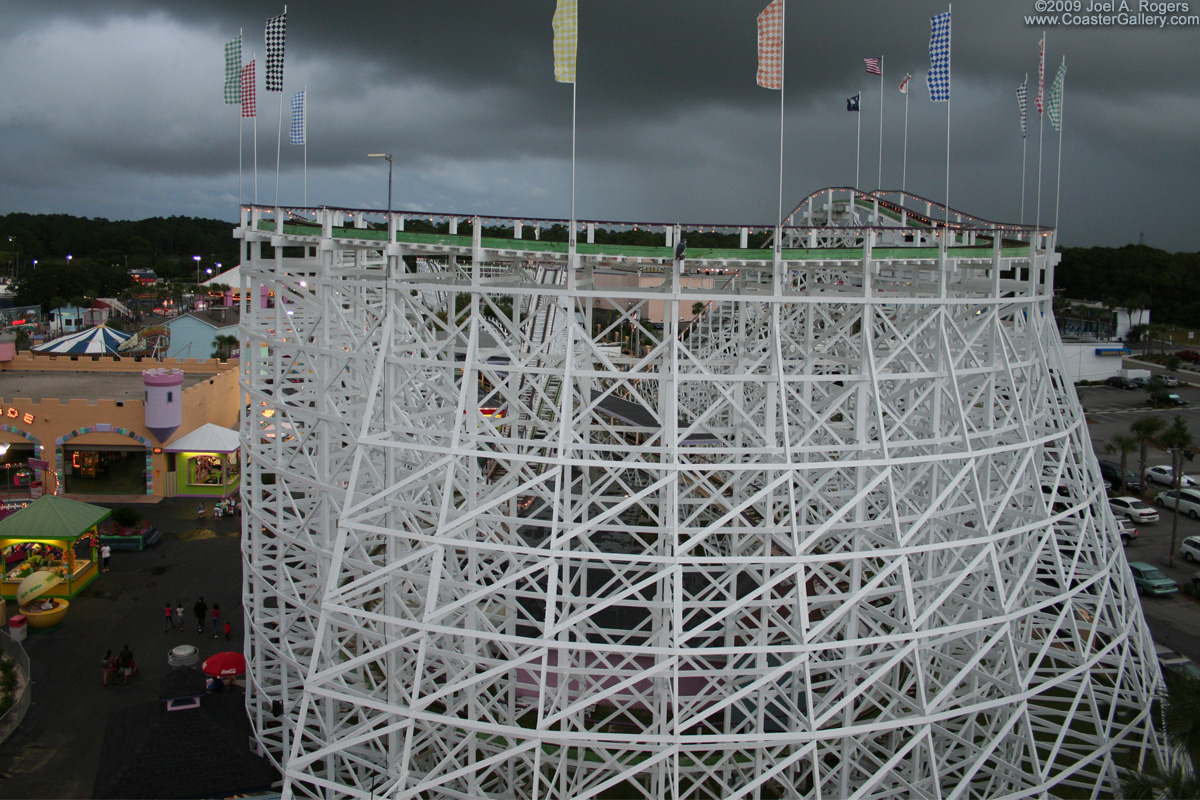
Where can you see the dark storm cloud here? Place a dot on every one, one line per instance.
(115, 110)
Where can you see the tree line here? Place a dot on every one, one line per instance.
(1134, 276)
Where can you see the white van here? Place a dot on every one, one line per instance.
(1189, 501)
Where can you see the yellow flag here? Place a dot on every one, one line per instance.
(566, 36)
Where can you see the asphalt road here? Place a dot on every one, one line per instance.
(1175, 619)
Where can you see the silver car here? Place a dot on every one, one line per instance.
(1191, 548)
(1188, 501)
(1165, 475)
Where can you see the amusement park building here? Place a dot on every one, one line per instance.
(104, 425)
(839, 533)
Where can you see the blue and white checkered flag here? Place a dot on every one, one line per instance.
(296, 132)
(939, 59)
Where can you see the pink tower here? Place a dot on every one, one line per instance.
(164, 401)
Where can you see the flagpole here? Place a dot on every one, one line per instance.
(1024, 151)
(904, 166)
(241, 134)
(255, 61)
(782, 83)
(304, 123)
(1058, 180)
(949, 41)
(857, 147)
(278, 143)
(572, 256)
(1041, 126)
(879, 176)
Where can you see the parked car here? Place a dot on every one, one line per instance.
(1188, 501)
(1140, 383)
(1151, 580)
(1191, 548)
(1133, 509)
(1169, 381)
(1111, 472)
(1167, 399)
(1163, 474)
(1126, 531)
(1119, 382)
(1175, 664)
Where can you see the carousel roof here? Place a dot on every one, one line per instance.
(207, 438)
(52, 517)
(99, 340)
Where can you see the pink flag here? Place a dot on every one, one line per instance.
(1041, 73)
(248, 109)
(904, 84)
(770, 46)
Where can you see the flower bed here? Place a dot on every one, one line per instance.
(137, 537)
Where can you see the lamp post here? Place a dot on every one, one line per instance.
(388, 156)
(197, 260)
(16, 258)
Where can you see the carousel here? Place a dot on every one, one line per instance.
(50, 555)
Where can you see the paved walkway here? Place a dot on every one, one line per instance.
(56, 751)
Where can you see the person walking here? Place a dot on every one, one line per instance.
(200, 511)
(107, 665)
(168, 617)
(105, 554)
(201, 611)
(179, 616)
(126, 661)
(228, 630)
(216, 618)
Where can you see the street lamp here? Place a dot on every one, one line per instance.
(388, 156)
(69, 257)
(197, 260)
(16, 262)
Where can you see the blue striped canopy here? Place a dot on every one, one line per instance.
(99, 340)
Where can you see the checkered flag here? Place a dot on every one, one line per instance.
(1022, 100)
(1054, 103)
(248, 107)
(565, 24)
(939, 58)
(275, 37)
(297, 131)
(233, 71)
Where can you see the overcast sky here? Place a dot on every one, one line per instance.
(115, 110)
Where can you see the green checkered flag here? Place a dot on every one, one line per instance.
(233, 72)
(1054, 106)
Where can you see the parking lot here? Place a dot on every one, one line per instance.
(1174, 619)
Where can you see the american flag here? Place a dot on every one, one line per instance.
(770, 46)
(1022, 99)
(275, 35)
(248, 109)
(1041, 73)
(939, 58)
(874, 66)
(297, 130)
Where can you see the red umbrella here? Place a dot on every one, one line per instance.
(224, 665)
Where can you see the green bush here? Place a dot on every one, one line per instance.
(126, 517)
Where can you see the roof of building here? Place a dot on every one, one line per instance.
(98, 385)
(216, 316)
(207, 438)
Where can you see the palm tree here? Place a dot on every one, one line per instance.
(1145, 430)
(1179, 778)
(1175, 440)
(225, 344)
(1122, 444)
